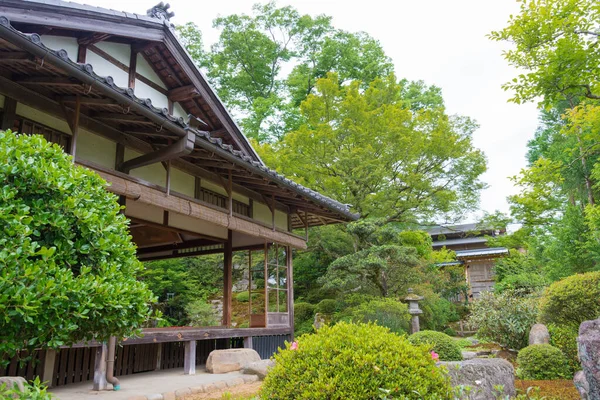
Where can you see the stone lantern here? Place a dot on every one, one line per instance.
(414, 310)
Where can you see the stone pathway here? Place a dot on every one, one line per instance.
(156, 385)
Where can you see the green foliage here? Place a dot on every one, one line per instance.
(446, 347)
(505, 318)
(384, 312)
(303, 312)
(437, 311)
(564, 337)
(572, 300)
(347, 361)
(33, 390)
(519, 272)
(541, 362)
(67, 265)
(201, 313)
(242, 297)
(327, 306)
(450, 332)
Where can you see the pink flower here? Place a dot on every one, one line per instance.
(435, 356)
(294, 346)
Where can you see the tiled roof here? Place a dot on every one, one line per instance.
(482, 252)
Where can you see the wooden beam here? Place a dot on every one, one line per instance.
(183, 146)
(93, 38)
(183, 93)
(48, 80)
(227, 279)
(132, 68)
(73, 122)
(190, 244)
(81, 54)
(87, 100)
(120, 117)
(11, 56)
(9, 113)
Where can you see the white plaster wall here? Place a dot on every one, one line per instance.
(143, 211)
(261, 212)
(43, 118)
(213, 187)
(146, 70)
(191, 224)
(120, 51)
(178, 111)
(60, 42)
(281, 220)
(96, 149)
(154, 173)
(103, 67)
(144, 91)
(182, 183)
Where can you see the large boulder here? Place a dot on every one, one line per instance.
(223, 361)
(482, 377)
(581, 384)
(13, 382)
(539, 334)
(589, 354)
(258, 368)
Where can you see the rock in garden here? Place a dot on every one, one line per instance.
(223, 361)
(259, 368)
(469, 355)
(483, 376)
(12, 382)
(589, 354)
(581, 384)
(539, 334)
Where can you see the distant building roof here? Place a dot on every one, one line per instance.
(445, 230)
(454, 242)
(493, 251)
(449, 263)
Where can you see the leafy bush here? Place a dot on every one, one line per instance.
(524, 282)
(572, 300)
(542, 361)
(442, 344)
(33, 390)
(564, 337)
(244, 297)
(354, 361)
(438, 312)
(327, 306)
(450, 332)
(68, 265)
(505, 318)
(201, 313)
(384, 312)
(303, 312)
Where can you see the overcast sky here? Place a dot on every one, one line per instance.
(441, 42)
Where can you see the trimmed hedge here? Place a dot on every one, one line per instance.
(327, 306)
(354, 361)
(572, 300)
(564, 337)
(542, 362)
(446, 347)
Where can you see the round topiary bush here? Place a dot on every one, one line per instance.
(354, 361)
(446, 347)
(327, 306)
(303, 312)
(68, 270)
(542, 361)
(450, 331)
(572, 300)
(384, 312)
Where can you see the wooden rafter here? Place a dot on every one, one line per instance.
(180, 148)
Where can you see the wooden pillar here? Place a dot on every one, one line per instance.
(290, 287)
(48, 372)
(100, 382)
(132, 68)
(9, 113)
(227, 279)
(158, 357)
(73, 121)
(189, 361)
(248, 342)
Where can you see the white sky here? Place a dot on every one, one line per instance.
(442, 42)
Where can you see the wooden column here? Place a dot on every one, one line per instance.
(158, 356)
(9, 113)
(248, 342)
(73, 121)
(189, 361)
(100, 382)
(290, 287)
(48, 372)
(227, 279)
(132, 68)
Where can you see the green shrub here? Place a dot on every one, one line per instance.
(201, 313)
(504, 318)
(442, 344)
(354, 361)
(572, 300)
(450, 332)
(327, 306)
(243, 297)
(564, 337)
(303, 312)
(68, 269)
(542, 361)
(437, 312)
(33, 390)
(384, 312)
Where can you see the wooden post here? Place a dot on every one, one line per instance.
(48, 372)
(9, 113)
(248, 342)
(189, 361)
(158, 357)
(290, 287)
(230, 193)
(73, 121)
(227, 279)
(132, 67)
(273, 214)
(100, 382)
(168, 177)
